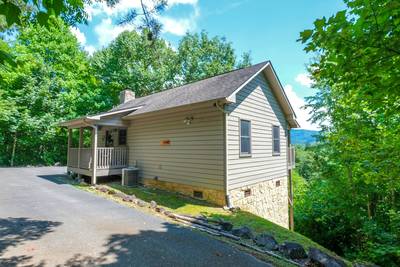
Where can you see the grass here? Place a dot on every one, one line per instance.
(186, 205)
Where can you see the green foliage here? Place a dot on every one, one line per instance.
(132, 61)
(352, 204)
(20, 13)
(148, 66)
(16, 14)
(52, 82)
(201, 57)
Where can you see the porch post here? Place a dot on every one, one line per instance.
(94, 155)
(69, 144)
(80, 145)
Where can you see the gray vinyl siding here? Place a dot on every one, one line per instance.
(195, 155)
(255, 102)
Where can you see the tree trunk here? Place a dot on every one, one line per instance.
(13, 149)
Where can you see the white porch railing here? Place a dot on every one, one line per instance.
(107, 157)
(291, 157)
(112, 157)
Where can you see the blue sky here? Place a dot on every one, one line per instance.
(267, 28)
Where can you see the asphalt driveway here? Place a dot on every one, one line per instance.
(44, 222)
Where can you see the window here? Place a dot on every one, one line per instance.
(245, 138)
(122, 137)
(109, 139)
(276, 140)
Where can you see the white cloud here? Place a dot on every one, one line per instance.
(90, 49)
(181, 2)
(304, 79)
(78, 34)
(107, 31)
(303, 115)
(123, 6)
(82, 40)
(179, 26)
(101, 8)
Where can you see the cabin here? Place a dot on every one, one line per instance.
(224, 139)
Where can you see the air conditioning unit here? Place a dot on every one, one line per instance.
(130, 176)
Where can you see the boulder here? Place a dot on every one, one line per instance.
(120, 194)
(57, 164)
(153, 204)
(102, 189)
(160, 209)
(141, 203)
(133, 196)
(267, 241)
(226, 226)
(292, 250)
(243, 232)
(126, 198)
(322, 259)
(168, 213)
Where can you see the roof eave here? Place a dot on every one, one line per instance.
(82, 121)
(270, 73)
(93, 118)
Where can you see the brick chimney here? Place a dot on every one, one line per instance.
(126, 95)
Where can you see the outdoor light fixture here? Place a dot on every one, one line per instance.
(188, 120)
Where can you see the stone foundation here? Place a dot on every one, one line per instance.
(213, 196)
(265, 199)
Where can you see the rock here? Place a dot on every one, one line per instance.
(120, 194)
(243, 232)
(292, 250)
(168, 213)
(234, 209)
(267, 241)
(141, 203)
(160, 209)
(126, 198)
(322, 259)
(226, 226)
(102, 189)
(57, 164)
(153, 204)
(111, 192)
(133, 196)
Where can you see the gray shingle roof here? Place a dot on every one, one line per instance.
(216, 87)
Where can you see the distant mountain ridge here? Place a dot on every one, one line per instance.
(303, 137)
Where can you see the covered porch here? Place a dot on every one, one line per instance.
(101, 157)
(97, 147)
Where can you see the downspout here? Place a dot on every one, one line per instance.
(226, 186)
(290, 187)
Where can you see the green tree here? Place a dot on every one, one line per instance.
(53, 81)
(201, 57)
(15, 14)
(133, 61)
(356, 71)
